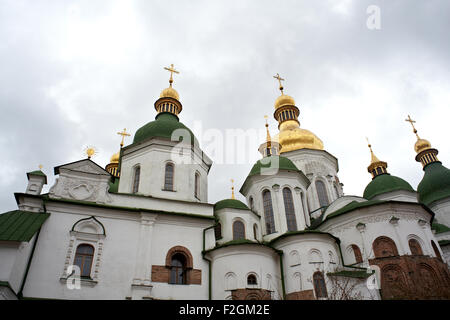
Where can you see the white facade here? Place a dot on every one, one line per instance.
(147, 242)
(317, 165)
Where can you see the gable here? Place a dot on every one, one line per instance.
(84, 166)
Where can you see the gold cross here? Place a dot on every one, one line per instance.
(171, 69)
(123, 134)
(279, 81)
(412, 124)
(40, 167)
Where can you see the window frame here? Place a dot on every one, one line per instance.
(83, 256)
(289, 209)
(322, 196)
(136, 179)
(269, 219)
(235, 231)
(172, 180)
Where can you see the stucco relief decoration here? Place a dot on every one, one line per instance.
(80, 190)
(413, 216)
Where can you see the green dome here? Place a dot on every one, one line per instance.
(385, 183)
(435, 184)
(164, 125)
(230, 203)
(283, 164)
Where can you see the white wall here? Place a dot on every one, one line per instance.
(275, 184)
(152, 157)
(239, 261)
(304, 254)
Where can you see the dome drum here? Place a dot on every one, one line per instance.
(285, 113)
(168, 104)
(427, 156)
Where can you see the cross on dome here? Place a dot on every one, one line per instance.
(124, 134)
(279, 81)
(172, 70)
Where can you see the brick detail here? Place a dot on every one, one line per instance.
(413, 277)
(162, 274)
(301, 295)
(251, 294)
(195, 276)
(184, 251)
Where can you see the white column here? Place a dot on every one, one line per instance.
(278, 210)
(365, 251)
(394, 221)
(141, 285)
(423, 224)
(299, 209)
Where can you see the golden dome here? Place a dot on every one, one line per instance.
(284, 100)
(169, 93)
(115, 158)
(292, 137)
(421, 145)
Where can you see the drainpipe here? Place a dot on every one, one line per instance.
(30, 258)
(283, 288)
(342, 258)
(209, 261)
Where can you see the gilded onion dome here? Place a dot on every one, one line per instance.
(425, 153)
(382, 182)
(169, 93)
(115, 158)
(291, 136)
(169, 99)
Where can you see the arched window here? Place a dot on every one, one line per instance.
(289, 208)
(268, 212)
(238, 230)
(168, 179)
(178, 269)
(197, 185)
(357, 252)
(83, 259)
(251, 280)
(322, 193)
(218, 231)
(255, 231)
(137, 173)
(251, 203)
(384, 247)
(319, 285)
(415, 247)
(436, 250)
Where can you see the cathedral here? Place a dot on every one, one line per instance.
(142, 227)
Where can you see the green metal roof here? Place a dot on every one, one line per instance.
(435, 184)
(270, 166)
(230, 203)
(114, 186)
(20, 225)
(37, 173)
(439, 228)
(385, 183)
(294, 233)
(273, 162)
(163, 127)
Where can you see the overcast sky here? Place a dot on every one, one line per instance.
(73, 73)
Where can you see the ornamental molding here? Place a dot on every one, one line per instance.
(80, 189)
(379, 217)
